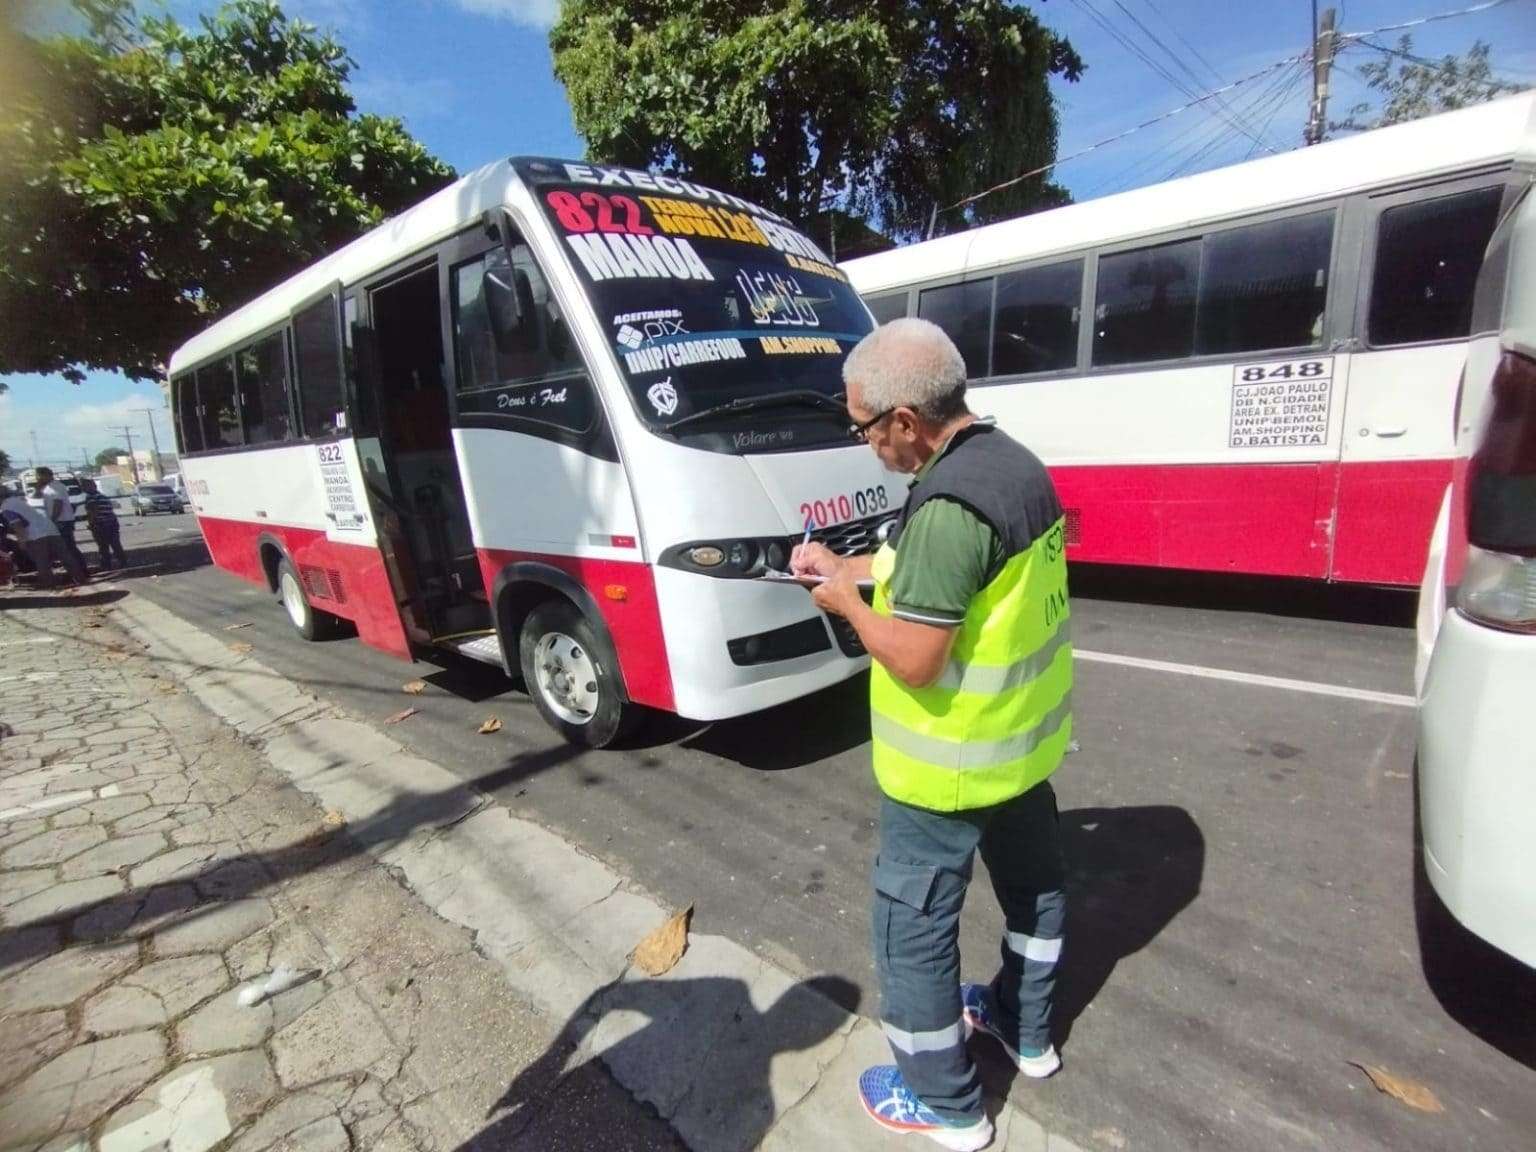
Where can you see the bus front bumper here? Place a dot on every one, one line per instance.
(725, 639)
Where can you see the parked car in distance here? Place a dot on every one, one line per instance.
(1477, 617)
(156, 498)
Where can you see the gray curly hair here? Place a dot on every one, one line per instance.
(908, 363)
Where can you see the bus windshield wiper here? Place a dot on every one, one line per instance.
(803, 396)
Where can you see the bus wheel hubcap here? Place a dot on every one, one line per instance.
(293, 600)
(567, 678)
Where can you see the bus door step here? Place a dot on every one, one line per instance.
(486, 649)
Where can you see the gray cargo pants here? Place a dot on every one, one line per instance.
(921, 876)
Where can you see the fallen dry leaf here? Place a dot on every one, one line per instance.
(1410, 1092)
(414, 687)
(664, 947)
(92, 623)
(166, 686)
(403, 714)
(237, 627)
(116, 655)
(491, 725)
(332, 819)
(241, 648)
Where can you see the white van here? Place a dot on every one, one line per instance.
(1477, 615)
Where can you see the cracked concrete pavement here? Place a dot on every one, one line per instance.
(471, 983)
(153, 863)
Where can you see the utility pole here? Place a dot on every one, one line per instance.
(1324, 44)
(154, 439)
(32, 460)
(133, 460)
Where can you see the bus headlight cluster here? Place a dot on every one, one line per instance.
(729, 558)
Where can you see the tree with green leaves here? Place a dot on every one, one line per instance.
(1410, 86)
(5, 462)
(154, 175)
(109, 456)
(879, 110)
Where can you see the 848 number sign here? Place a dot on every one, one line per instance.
(1285, 370)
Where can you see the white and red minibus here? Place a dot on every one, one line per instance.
(558, 417)
(1249, 370)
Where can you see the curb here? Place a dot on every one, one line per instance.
(560, 924)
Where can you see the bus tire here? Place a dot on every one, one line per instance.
(572, 686)
(309, 621)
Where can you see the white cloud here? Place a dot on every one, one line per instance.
(96, 418)
(535, 13)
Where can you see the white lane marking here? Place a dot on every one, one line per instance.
(1366, 695)
(29, 640)
(62, 800)
(30, 677)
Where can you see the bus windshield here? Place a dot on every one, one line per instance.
(725, 320)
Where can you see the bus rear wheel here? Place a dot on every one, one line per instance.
(311, 623)
(571, 685)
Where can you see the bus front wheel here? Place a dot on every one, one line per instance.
(572, 686)
(312, 624)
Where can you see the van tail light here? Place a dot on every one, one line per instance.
(1498, 587)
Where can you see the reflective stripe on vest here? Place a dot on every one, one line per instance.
(999, 719)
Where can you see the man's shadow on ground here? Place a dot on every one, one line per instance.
(698, 1049)
(1130, 872)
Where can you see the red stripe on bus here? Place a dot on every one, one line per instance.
(1265, 519)
(355, 571)
(634, 622)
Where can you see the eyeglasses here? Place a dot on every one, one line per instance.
(860, 432)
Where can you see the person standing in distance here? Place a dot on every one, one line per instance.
(101, 519)
(58, 507)
(970, 714)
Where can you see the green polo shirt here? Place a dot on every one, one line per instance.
(946, 555)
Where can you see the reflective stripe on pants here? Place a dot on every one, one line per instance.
(920, 880)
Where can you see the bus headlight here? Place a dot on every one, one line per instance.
(727, 559)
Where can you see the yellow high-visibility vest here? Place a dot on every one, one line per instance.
(999, 719)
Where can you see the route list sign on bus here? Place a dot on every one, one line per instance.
(1282, 403)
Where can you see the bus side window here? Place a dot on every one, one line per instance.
(1265, 286)
(189, 435)
(316, 354)
(262, 375)
(216, 404)
(887, 308)
(1037, 318)
(1427, 259)
(513, 348)
(1146, 304)
(964, 311)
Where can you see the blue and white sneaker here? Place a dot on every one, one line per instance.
(891, 1105)
(976, 1000)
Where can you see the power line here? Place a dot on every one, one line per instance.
(1422, 20)
(1087, 7)
(1178, 61)
(1191, 159)
(1122, 135)
(1193, 51)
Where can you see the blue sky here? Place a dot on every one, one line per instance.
(473, 80)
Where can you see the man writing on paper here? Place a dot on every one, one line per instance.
(970, 701)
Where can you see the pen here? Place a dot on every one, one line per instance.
(807, 539)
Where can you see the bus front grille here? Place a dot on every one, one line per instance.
(854, 538)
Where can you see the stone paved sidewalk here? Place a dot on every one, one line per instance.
(151, 864)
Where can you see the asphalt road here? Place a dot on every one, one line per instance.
(1244, 922)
